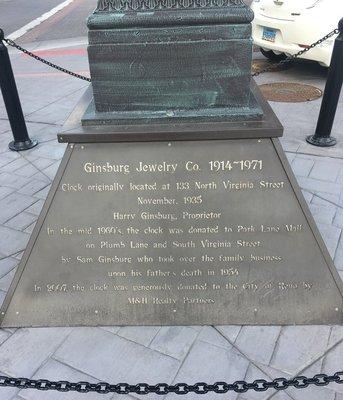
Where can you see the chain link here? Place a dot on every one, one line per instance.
(297, 55)
(260, 385)
(85, 78)
(46, 62)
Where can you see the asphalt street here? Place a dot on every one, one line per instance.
(16, 13)
(69, 22)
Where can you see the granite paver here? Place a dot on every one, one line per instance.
(167, 354)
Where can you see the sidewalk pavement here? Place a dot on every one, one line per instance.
(158, 354)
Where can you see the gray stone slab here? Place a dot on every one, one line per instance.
(276, 396)
(297, 347)
(115, 359)
(30, 228)
(15, 165)
(24, 352)
(42, 194)
(4, 126)
(8, 156)
(27, 170)
(14, 204)
(33, 187)
(48, 150)
(322, 198)
(2, 296)
(210, 335)
(42, 163)
(4, 335)
(15, 182)
(42, 177)
(112, 329)
(339, 255)
(21, 221)
(12, 241)
(338, 219)
(5, 191)
(56, 371)
(6, 265)
(302, 166)
(8, 393)
(288, 144)
(19, 255)
(323, 213)
(336, 335)
(290, 156)
(52, 170)
(36, 208)
(308, 196)
(326, 170)
(340, 177)
(209, 363)
(6, 280)
(319, 186)
(175, 341)
(331, 235)
(258, 343)
(230, 332)
(140, 334)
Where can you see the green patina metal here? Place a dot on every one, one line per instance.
(156, 60)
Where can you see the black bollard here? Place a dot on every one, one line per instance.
(322, 137)
(9, 91)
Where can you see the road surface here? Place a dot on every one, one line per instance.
(67, 22)
(62, 19)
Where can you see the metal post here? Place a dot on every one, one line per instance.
(332, 92)
(9, 91)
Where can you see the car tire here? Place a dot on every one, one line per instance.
(273, 56)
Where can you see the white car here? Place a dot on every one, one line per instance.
(284, 27)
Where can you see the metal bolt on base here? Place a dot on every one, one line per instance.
(321, 141)
(21, 146)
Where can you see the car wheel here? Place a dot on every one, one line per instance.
(272, 56)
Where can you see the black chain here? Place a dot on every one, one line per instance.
(260, 385)
(48, 63)
(297, 55)
(85, 78)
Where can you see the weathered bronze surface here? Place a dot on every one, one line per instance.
(179, 60)
(73, 131)
(168, 233)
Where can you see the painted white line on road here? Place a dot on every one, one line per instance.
(20, 32)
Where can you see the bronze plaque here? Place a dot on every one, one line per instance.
(175, 233)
